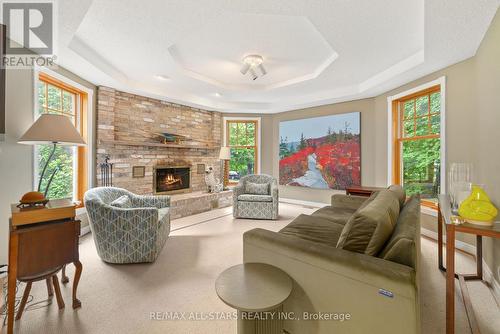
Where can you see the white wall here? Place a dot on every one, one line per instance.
(16, 167)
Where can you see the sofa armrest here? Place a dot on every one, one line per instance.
(349, 201)
(373, 271)
(238, 190)
(144, 201)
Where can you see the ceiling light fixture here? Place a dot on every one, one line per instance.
(217, 94)
(253, 64)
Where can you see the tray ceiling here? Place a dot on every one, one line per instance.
(315, 52)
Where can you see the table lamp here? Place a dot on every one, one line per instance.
(225, 155)
(49, 129)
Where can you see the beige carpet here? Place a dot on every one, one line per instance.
(121, 298)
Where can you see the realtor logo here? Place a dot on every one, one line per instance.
(31, 31)
(30, 25)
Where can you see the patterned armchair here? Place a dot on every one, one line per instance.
(129, 234)
(256, 201)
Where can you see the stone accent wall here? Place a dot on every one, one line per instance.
(127, 123)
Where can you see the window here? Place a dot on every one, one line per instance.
(241, 137)
(70, 181)
(417, 143)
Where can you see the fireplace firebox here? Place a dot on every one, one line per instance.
(168, 179)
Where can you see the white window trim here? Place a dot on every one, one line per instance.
(259, 131)
(442, 83)
(90, 116)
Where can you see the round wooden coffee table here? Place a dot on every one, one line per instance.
(254, 288)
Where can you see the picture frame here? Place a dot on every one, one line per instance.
(321, 152)
(138, 171)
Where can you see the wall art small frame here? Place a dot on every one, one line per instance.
(138, 171)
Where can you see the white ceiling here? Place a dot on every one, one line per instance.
(315, 51)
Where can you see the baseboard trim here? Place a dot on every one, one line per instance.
(300, 202)
(494, 285)
(463, 246)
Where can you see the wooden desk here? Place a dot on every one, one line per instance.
(444, 217)
(362, 191)
(47, 242)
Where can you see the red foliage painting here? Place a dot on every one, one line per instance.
(321, 152)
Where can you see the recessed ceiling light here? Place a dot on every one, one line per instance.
(217, 94)
(162, 77)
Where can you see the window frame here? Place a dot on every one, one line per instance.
(84, 170)
(256, 146)
(394, 128)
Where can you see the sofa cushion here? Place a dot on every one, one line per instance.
(339, 215)
(314, 229)
(255, 198)
(400, 193)
(256, 188)
(122, 202)
(401, 246)
(371, 226)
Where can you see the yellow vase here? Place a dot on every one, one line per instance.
(477, 208)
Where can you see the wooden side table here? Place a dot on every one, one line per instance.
(252, 288)
(444, 218)
(362, 191)
(41, 242)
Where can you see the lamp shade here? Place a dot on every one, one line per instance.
(50, 129)
(225, 153)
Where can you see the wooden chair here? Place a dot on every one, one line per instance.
(52, 286)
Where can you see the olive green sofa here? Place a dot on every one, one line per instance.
(357, 258)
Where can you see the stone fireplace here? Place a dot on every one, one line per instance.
(171, 180)
(129, 129)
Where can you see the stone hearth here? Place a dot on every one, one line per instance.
(183, 205)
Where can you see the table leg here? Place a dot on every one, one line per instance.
(12, 280)
(440, 240)
(78, 273)
(450, 279)
(245, 324)
(479, 256)
(64, 278)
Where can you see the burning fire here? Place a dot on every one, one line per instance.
(171, 179)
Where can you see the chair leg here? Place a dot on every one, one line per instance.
(57, 290)
(23, 300)
(50, 291)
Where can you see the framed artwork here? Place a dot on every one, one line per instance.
(321, 152)
(138, 171)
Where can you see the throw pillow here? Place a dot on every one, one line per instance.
(399, 192)
(121, 202)
(401, 246)
(371, 226)
(257, 188)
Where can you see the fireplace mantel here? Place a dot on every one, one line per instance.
(198, 145)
